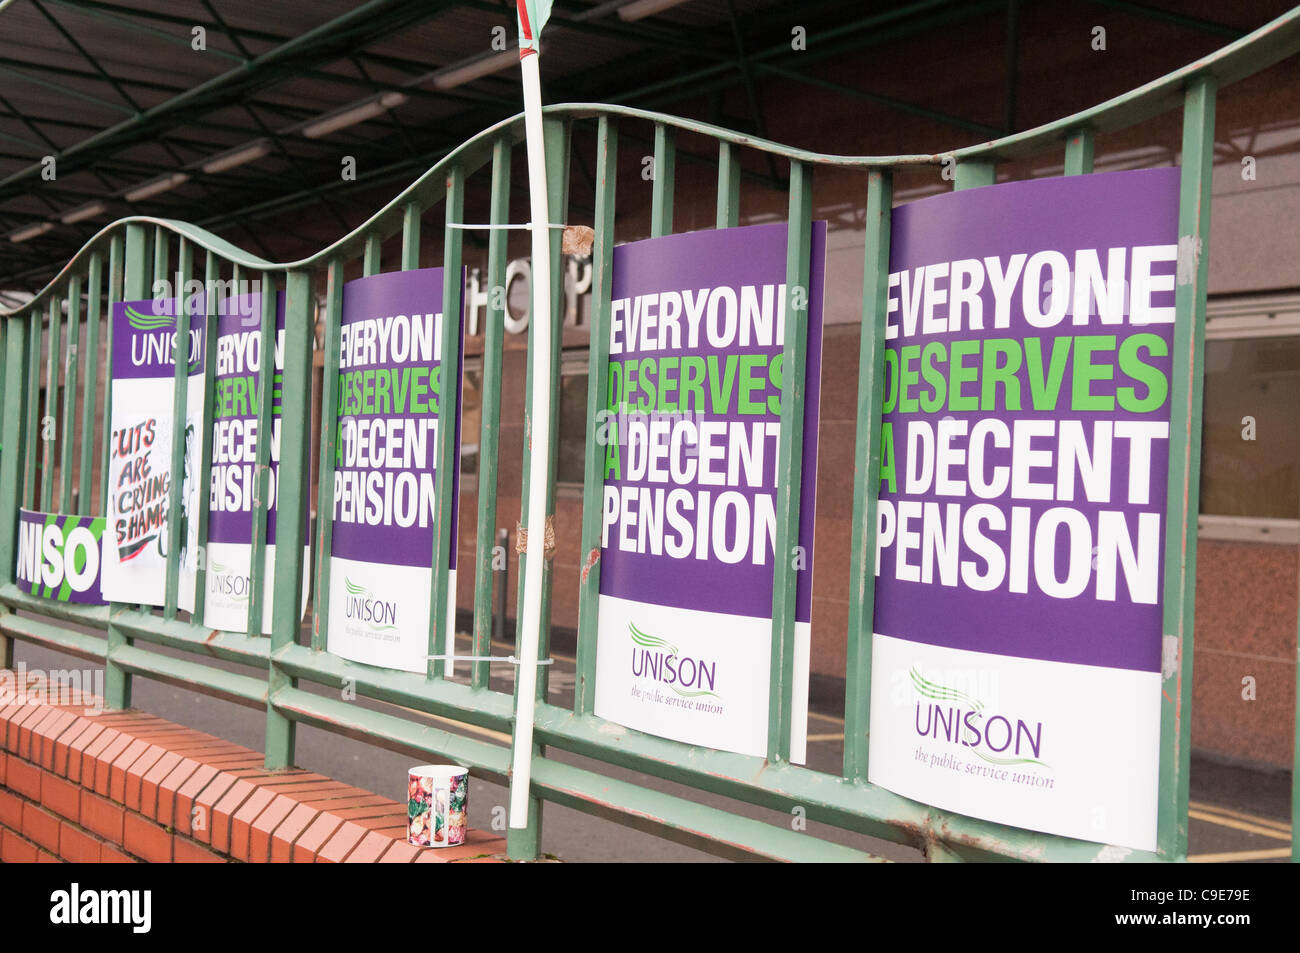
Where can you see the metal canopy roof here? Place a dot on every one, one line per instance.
(139, 121)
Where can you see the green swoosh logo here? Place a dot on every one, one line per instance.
(992, 760)
(939, 692)
(645, 640)
(149, 322)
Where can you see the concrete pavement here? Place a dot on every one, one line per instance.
(1238, 814)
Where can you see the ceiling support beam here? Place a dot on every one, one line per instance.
(1177, 19)
(363, 24)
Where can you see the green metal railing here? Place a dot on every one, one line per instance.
(121, 263)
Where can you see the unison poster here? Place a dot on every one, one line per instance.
(689, 512)
(391, 376)
(136, 546)
(59, 556)
(1016, 656)
(234, 465)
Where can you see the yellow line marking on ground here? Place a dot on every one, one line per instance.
(1239, 825)
(838, 736)
(473, 729)
(832, 718)
(1273, 853)
(1241, 816)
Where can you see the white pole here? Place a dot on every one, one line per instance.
(539, 437)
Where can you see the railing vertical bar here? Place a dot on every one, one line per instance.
(329, 422)
(262, 458)
(1179, 589)
(489, 442)
(161, 259)
(442, 600)
(1078, 152)
(32, 441)
(291, 508)
(211, 328)
(974, 173)
(180, 387)
(16, 339)
(135, 267)
(50, 413)
(602, 267)
(661, 194)
(862, 558)
(115, 282)
(373, 259)
(556, 132)
(728, 186)
(411, 236)
(790, 463)
(90, 388)
(67, 430)
(134, 287)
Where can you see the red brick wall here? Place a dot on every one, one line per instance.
(1245, 628)
(127, 787)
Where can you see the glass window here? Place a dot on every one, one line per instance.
(1250, 462)
(471, 421)
(573, 427)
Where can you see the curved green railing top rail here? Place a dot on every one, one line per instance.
(116, 265)
(1250, 54)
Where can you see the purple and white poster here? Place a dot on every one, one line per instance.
(136, 543)
(234, 465)
(1017, 639)
(690, 438)
(391, 374)
(59, 557)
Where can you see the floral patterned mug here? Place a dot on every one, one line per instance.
(437, 801)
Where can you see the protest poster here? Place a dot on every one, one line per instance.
(1017, 637)
(691, 433)
(391, 376)
(236, 377)
(136, 546)
(59, 556)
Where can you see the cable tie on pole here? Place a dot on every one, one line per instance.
(577, 240)
(470, 227)
(486, 658)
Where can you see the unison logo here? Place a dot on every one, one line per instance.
(232, 585)
(653, 657)
(362, 605)
(951, 715)
(149, 347)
